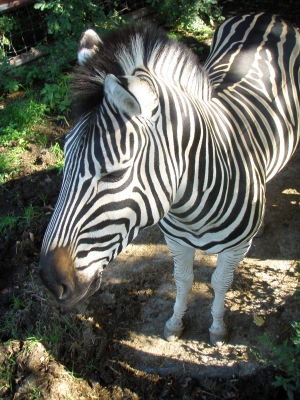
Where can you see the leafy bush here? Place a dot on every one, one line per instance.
(7, 24)
(56, 95)
(188, 14)
(287, 358)
(66, 20)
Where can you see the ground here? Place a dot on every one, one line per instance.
(112, 346)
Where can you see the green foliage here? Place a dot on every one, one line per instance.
(7, 24)
(7, 222)
(18, 118)
(188, 14)
(58, 156)
(7, 371)
(56, 95)
(29, 214)
(66, 20)
(287, 358)
(9, 164)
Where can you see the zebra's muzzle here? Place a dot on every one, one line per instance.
(57, 271)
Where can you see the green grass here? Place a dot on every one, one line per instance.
(58, 157)
(35, 394)
(18, 118)
(7, 372)
(29, 214)
(18, 121)
(7, 222)
(9, 163)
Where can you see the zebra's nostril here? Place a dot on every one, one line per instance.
(57, 273)
(65, 292)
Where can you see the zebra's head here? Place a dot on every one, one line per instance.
(121, 172)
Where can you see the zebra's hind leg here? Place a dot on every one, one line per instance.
(184, 277)
(221, 281)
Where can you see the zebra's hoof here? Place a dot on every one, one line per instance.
(172, 334)
(218, 339)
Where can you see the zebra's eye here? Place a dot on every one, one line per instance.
(114, 176)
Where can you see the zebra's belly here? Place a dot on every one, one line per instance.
(211, 238)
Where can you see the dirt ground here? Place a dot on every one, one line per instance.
(112, 346)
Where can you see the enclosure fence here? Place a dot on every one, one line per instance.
(29, 27)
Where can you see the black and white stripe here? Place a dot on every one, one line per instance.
(163, 140)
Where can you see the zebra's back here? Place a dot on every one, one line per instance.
(254, 69)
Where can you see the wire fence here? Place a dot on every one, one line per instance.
(29, 30)
(29, 27)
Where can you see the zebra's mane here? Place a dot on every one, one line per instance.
(134, 46)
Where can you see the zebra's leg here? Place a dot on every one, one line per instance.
(184, 277)
(221, 281)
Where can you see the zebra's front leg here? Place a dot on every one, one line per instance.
(221, 281)
(184, 277)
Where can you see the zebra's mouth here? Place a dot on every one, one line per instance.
(68, 284)
(85, 294)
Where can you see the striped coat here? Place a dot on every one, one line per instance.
(162, 140)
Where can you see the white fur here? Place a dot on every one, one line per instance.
(120, 97)
(139, 98)
(221, 280)
(84, 53)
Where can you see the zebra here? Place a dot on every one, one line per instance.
(161, 139)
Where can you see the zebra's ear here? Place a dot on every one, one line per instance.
(88, 45)
(131, 95)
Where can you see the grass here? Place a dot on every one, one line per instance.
(58, 156)
(9, 163)
(7, 222)
(35, 394)
(18, 118)
(30, 213)
(7, 372)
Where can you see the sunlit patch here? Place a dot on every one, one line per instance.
(291, 191)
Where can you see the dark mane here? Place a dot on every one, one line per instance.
(87, 82)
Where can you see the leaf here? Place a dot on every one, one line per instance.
(259, 320)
